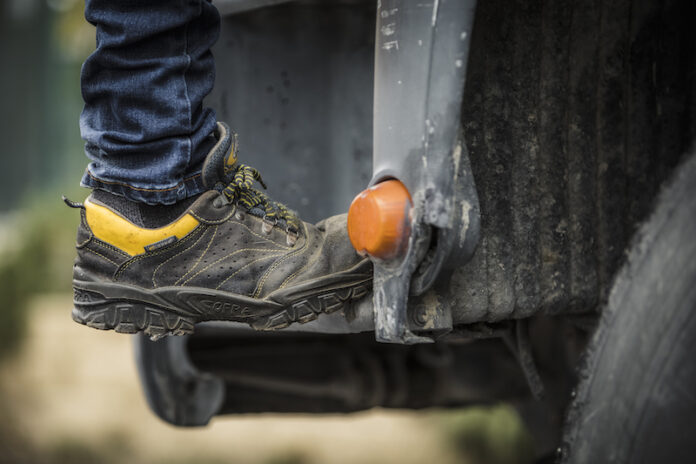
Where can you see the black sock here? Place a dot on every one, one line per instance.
(142, 214)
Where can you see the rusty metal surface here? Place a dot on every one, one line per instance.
(574, 114)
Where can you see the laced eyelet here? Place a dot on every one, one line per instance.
(267, 226)
(239, 191)
(291, 236)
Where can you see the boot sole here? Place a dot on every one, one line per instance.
(175, 310)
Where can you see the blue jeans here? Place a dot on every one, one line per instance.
(145, 128)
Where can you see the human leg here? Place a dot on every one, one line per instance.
(144, 124)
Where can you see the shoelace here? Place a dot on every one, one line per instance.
(240, 191)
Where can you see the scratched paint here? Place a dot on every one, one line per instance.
(388, 29)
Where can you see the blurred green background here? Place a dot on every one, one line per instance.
(43, 43)
(71, 395)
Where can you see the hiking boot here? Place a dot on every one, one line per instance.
(231, 254)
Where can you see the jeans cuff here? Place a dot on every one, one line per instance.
(190, 186)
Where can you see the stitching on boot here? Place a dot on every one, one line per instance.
(83, 223)
(135, 259)
(262, 250)
(103, 244)
(83, 244)
(277, 263)
(183, 250)
(195, 265)
(99, 254)
(297, 272)
(282, 247)
(243, 267)
(208, 221)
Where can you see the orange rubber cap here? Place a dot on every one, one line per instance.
(378, 219)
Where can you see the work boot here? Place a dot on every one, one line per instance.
(231, 254)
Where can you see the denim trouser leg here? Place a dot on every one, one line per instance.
(144, 124)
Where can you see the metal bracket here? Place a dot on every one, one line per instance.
(421, 53)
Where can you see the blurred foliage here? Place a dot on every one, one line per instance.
(194, 460)
(13, 294)
(71, 451)
(36, 256)
(489, 435)
(112, 449)
(290, 457)
(41, 152)
(75, 37)
(43, 44)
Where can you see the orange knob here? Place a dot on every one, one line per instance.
(378, 219)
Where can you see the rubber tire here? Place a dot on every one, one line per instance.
(636, 402)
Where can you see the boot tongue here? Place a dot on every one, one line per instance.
(221, 158)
